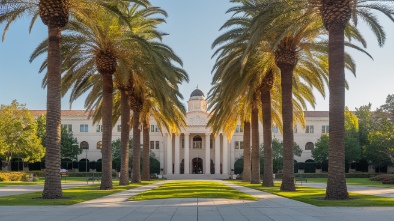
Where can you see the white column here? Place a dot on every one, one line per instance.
(186, 152)
(176, 160)
(217, 154)
(169, 154)
(207, 154)
(225, 155)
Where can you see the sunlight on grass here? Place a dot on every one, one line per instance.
(193, 189)
(355, 181)
(70, 196)
(315, 196)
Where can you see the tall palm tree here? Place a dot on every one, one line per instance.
(55, 15)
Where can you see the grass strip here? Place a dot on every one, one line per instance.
(316, 196)
(70, 196)
(193, 189)
(356, 181)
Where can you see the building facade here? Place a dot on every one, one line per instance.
(196, 150)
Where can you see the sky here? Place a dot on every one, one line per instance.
(192, 26)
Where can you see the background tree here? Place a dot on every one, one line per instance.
(320, 153)
(352, 143)
(18, 134)
(69, 145)
(277, 153)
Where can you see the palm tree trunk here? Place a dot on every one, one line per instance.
(52, 186)
(255, 177)
(246, 170)
(106, 112)
(145, 153)
(124, 138)
(288, 136)
(268, 179)
(136, 178)
(336, 183)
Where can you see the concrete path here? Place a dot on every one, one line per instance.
(367, 190)
(268, 207)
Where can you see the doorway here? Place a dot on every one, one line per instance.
(197, 165)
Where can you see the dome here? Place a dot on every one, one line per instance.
(197, 92)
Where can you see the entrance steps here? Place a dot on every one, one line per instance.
(196, 176)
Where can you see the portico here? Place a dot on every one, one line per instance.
(196, 150)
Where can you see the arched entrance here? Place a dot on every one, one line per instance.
(197, 165)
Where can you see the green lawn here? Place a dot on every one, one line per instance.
(315, 196)
(193, 189)
(356, 181)
(70, 196)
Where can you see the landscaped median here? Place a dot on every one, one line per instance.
(316, 196)
(193, 189)
(70, 196)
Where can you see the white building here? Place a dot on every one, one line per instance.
(196, 150)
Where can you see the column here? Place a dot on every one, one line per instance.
(217, 154)
(207, 154)
(186, 152)
(176, 160)
(225, 155)
(169, 155)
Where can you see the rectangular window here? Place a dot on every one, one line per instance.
(239, 129)
(157, 128)
(241, 145)
(275, 129)
(236, 145)
(119, 128)
(309, 129)
(83, 128)
(157, 144)
(152, 128)
(325, 129)
(152, 145)
(67, 127)
(99, 128)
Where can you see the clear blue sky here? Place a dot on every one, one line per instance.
(192, 26)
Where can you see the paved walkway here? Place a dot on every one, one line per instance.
(268, 207)
(15, 190)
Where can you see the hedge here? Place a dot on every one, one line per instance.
(13, 176)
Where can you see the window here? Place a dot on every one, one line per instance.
(239, 145)
(275, 129)
(152, 128)
(152, 145)
(309, 129)
(325, 129)
(157, 128)
(309, 146)
(99, 128)
(157, 144)
(83, 128)
(84, 145)
(67, 127)
(239, 129)
(99, 145)
(119, 128)
(197, 142)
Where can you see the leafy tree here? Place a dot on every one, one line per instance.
(41, 128)
(18, 134)
(320, 153)
(277, 153)
(352, 144)
(69, 145)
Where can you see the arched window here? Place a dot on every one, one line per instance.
(84, 145)
(309, 146)
(99, 145)
(197, 142)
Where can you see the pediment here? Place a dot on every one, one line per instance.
(197, 118)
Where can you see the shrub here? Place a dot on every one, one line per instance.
(381, 177)
(239, 166)
(13, 176)
(154, 165)
(388, 180)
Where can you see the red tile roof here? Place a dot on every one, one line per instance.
(65, 113)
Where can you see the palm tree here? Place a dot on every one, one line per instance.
(55, 15)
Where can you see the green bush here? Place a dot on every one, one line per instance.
(239, 166)
(310, 167)
(154, 165)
